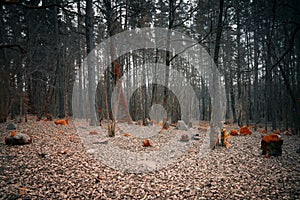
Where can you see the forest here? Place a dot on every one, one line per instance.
(254, 44)
(129, 99)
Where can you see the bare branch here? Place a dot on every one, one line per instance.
(288, 49)
(11, 46)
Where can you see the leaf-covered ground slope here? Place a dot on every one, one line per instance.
(58, 166)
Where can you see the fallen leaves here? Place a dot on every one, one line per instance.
(93, 133)
(100, 178)
(77, 175)
(126, 135)
(63, 152)
(60, 132)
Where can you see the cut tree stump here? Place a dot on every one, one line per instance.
(11, 127)
(184, 138)
(234, 132)
(224, 138)
(181, 125)
(15, 138)
(271, 145)
(245, 131)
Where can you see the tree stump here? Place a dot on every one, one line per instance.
(15, 138)
(234, 132)
(244, 130)
(271, 145)
(112, 129)
(181, 125)
(224, 137)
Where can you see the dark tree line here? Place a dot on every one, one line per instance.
(255, 45)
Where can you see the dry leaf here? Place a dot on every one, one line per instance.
(61, 122)
(22, 191)
(146, 143)
(93, 133)
(13, 133)
(61, 152)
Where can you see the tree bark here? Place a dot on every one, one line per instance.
(89, 28)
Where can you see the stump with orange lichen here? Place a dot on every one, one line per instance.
(234, 132)
(244, 130)
(223, 138)
(271, 145)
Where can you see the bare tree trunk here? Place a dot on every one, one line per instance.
(90, 60)
(217, 127)
(239, 75)
(60, 68)
(219, 32)
(79, 62)
(4, 74)
(255, 84)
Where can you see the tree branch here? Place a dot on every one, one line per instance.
(11, 46)
(288, 49)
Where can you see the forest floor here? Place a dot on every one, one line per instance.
(66, 162)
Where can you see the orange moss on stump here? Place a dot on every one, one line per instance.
(271, 145)
(13, 133)
(270, 138)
